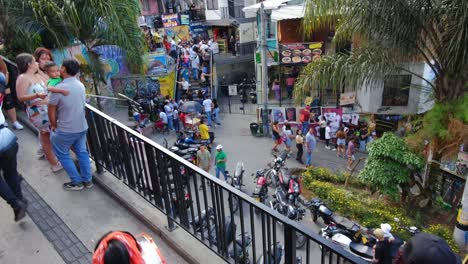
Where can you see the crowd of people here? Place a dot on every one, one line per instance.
(54, 100)
(336, 135)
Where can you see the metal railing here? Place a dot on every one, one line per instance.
(184, 193)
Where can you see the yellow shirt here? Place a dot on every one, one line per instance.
(204, 129)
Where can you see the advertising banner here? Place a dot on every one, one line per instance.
(300, 53)
(170, 20)
(347, 98)
(184, 19)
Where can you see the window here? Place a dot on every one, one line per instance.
(212, 4)
(396, 90)
(145, 5)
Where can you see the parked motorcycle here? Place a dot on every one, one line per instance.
(293, 212)
(237, 182)
(243, 91)
(237, 251)
(275, 256)
(276, 169)
(189, 154)
(260, 193)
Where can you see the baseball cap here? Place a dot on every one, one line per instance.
(219, 147)
(428, 249)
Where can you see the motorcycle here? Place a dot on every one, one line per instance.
(286, 208)
(243, 91)
(253, 91)
(237, 251)
(319, 209)
(275, 256)
(236, 182)
(260, 193)
(189, 154)
(276, 170)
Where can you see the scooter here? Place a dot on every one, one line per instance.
(260, 193)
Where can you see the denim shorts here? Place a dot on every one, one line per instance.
(341, 141)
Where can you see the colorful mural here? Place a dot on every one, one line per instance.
(112, 58)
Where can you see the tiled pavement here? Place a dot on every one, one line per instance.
(65, 242)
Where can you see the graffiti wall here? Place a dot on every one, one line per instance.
(112, 58)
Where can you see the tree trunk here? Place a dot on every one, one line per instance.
(448, 88)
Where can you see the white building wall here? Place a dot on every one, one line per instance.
(369, 97)
(215, 14)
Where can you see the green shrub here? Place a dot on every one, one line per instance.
(367, 211)
(323, 174)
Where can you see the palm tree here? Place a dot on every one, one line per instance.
(60, 23)
(395, 33)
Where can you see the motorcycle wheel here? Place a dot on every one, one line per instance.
(314, 215)
(300, 240)
(234, 203)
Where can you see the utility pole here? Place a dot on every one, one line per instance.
(263, 45)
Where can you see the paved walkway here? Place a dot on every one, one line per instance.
(61, 226)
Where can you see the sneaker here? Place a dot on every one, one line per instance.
(5, 124)
(20, 212)
(70, 186)
(57, 167)
(334, 149)
(18, 126)
(327, 147)
(88, 185)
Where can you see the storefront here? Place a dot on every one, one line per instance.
(222, 30)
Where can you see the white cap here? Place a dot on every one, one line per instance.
(386, 228)
(219, 147)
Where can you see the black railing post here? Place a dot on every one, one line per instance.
(93, 141)
(289, 244)
(165, 187)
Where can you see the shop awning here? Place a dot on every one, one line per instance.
(267, 5)
(221, 22)
(288, 12)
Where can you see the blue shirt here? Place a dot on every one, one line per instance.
(70, 109)
(310, 141)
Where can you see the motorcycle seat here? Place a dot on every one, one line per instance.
(361, 250)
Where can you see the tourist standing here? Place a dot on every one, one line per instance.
(350, 152)
(175, 114)
(185, 85)
(216, 112)
(287, 136)
(204, 158)
(232, 44)
(208, 104)
(363, 135)
(8, 100)
(31, 90)
(323, 125)
(10, 184)
(195, 67)
(305, 119)
(341, 143)
(276, 88)
(327, 135)
(290, 85)
(275, 130)
(170, 118)
(310, 143)
(220, 162)
(299, 145)
(69, 127)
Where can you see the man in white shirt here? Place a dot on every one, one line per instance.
(163, 117)
(168, 109)
(185, 85)
(195, 67)
(207, 104)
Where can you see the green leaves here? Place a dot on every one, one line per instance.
(430, 31)
(389, 164)
(91, 22)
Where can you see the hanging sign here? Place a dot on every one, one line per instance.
(232, 90)
(170, 20)
(347, 98)
(298, 53)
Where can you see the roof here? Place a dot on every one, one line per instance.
(288, 12)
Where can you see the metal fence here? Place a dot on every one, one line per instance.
(201, 204)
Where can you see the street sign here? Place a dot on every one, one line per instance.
(232, 89)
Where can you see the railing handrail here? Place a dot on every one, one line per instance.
(278, 217)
